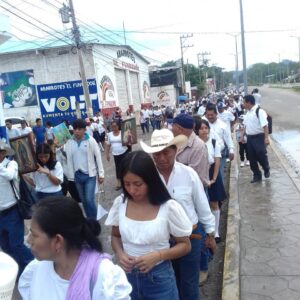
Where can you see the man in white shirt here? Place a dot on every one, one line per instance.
(219, 131)
(84, 165)
(10, 131)
(256, 127)
(11, 223)
(225, 115)
(186, 188)
(257, 96)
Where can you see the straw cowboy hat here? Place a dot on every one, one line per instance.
(162, 139)
(5, 147)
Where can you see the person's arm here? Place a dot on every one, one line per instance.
(262, 115)
(266, 132)
(9, 172)
(107, 151)
(146, 262)
(97, 155)
(229, 142)
(216, 170)
(52, 177)
(126, 261)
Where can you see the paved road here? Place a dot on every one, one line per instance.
(284, 106)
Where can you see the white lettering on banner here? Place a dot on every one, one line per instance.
(62, 102)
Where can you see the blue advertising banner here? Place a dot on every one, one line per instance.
(18, 89)
(58, 100)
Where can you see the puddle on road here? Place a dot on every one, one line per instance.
(289, 142)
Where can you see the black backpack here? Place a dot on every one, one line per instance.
(269, 119)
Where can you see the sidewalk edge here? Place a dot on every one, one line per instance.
(285, 163)
(231, 273)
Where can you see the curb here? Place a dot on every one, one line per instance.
(231, 273)
(285, 163)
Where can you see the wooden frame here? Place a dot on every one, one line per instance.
(128, 132)
(24, 154)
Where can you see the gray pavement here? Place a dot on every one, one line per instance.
(269, 234)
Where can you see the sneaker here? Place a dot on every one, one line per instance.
(203, 275)
(242, 164)
(267, 173)
(247, 163)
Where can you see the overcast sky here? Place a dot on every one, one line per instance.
(210, 20)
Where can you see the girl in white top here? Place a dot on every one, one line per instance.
(143, 220)
(69, 261)
(114, 142)
(216, 191)
(49, 175)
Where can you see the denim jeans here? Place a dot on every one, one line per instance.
(222, 166)
(41, 195)
(187, 268)
(157, 284)
(86, 189)
(12, 238)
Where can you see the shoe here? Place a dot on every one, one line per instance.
(267, 174)
(203, 275)
(242, 164)
(217, 239)
(257, 179)
(247, 163)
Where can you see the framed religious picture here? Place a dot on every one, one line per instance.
(128, 132)
(24, 154)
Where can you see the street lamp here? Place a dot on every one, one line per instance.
(243, 49)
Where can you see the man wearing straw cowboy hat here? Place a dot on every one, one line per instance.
(186, 188)
(11, 223)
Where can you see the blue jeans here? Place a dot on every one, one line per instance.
(222, 166)
(187, 268)
(12, 238)
(157, 284)
(86, 189)
(41, 195)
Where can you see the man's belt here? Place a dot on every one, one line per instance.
(195, 236)
(7, 210)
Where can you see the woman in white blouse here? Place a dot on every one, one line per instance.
(69, 264)
(49, 175)
(114, 142)
(143, 221)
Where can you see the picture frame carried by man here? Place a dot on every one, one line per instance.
(129, 132)
(24, 154)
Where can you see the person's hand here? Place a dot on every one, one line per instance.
(126, 261)
(267, 141)
(146, 262)
(43, 170)
(231, 156)
(100, 180)
(211, 182)
(210, 243)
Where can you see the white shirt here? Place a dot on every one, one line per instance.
(43, 183)
(253, 124)
(116, 144)
(219, 131)
(187, 189)
(12, 133)
(145, 113)
(26, 130)
(8, 171)
(90, 130)
(201, 110)
(40, 281)
(227, 117)
(80, 156)
(213, 152)
(257, 97)
(142, 237)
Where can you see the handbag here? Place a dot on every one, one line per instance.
(25, 198)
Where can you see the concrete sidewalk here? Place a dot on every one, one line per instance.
(262, 259)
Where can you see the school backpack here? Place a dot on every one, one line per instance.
(269, 119)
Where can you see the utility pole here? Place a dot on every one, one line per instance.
(65, 13)
(243, 49)
(237, 79)
(205, 61)
(124, 33)
(183, 38)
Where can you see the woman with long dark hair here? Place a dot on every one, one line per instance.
(143, 220)
(49, 176)
(69, 260)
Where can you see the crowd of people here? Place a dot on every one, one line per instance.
(165, 222)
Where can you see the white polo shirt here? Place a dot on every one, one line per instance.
(227, 117)
(253, 124)
(26, 130)
(185, 187)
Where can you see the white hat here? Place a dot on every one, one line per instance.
(162, 139)
(5, 147)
